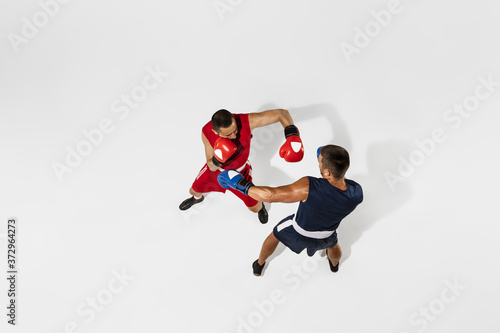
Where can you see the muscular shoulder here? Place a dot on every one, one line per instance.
(301, 187)
(257, 119)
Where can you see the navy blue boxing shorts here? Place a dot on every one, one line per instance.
(285, 232)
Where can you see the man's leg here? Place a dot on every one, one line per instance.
(334, 253)
(256, 208)
(194, 193)
(260, 209)
(253, 205)
(195, 199)
(268, 248)
(206, 181)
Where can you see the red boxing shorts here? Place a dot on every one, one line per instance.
(206, 181)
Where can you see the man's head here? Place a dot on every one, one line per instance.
(333, 161)
(224, 124)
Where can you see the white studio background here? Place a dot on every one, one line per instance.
(411, 88)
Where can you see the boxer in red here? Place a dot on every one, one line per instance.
(227, 146)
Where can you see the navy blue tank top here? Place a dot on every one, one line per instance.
(327, 205)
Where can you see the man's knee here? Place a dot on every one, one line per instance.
(256, 208)
(273, 238)
(335, 248)
(193, 192)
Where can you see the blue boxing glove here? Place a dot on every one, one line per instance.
(233, 179)
(319, 151)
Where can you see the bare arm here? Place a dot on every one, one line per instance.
(270, 117)
(209, 153)
(295, 192)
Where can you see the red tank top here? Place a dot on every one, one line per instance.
(242, 141)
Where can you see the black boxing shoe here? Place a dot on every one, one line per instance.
(263, 216)
(186, 204)
(257, 269)
(334, 269)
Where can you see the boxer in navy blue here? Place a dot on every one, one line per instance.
(324, 202)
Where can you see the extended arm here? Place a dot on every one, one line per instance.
(295, 192)
(292, 150)
(270, 117)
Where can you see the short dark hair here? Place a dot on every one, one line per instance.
(222, 119)
(336, 160)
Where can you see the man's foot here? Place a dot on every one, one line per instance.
(257, 269)
(334, 269)
(263, 216)
(186, 204)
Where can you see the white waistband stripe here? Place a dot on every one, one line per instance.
(310, 234)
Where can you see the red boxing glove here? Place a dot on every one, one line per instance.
(223, 150)
(292, 150)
